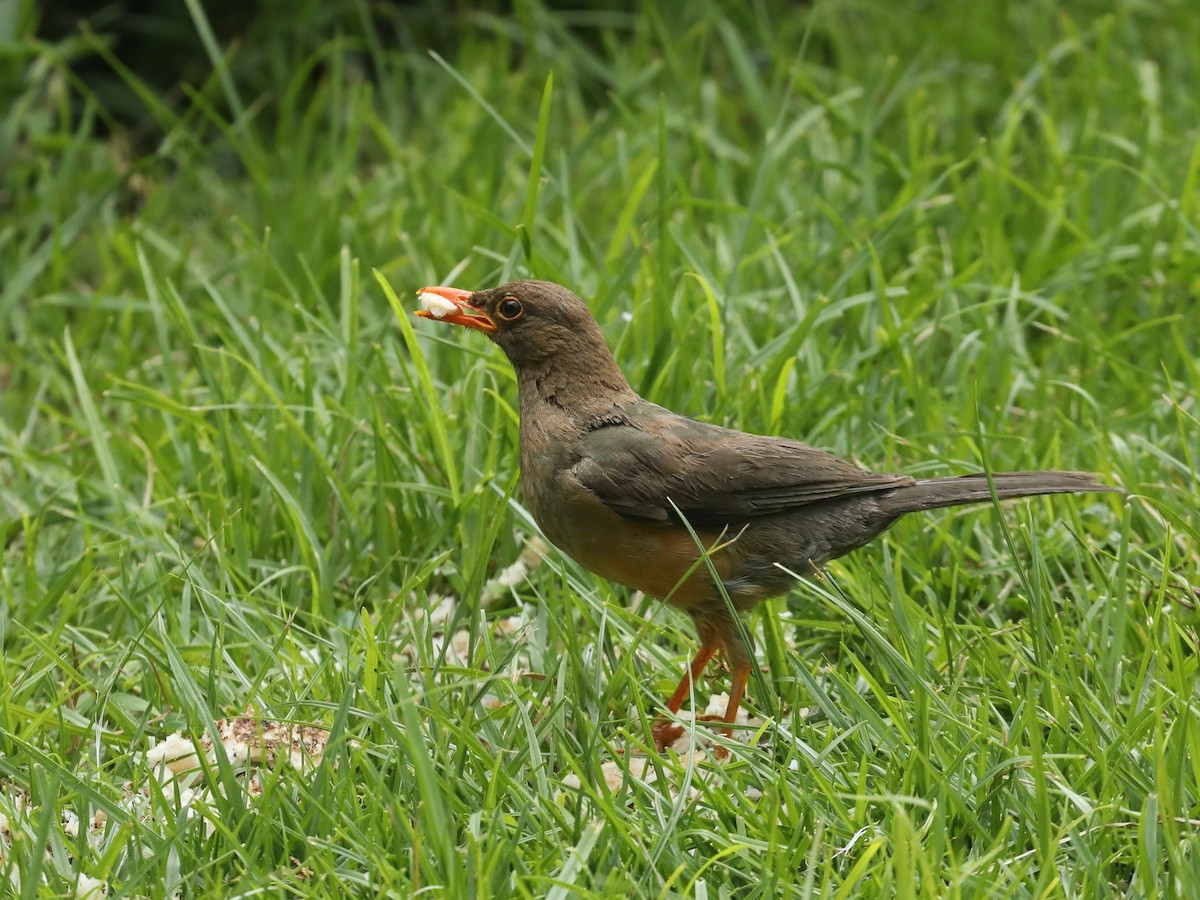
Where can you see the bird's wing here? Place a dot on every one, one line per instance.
(656, 462)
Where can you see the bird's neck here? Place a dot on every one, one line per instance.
(580, 387)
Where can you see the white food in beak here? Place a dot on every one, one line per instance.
(436, 305)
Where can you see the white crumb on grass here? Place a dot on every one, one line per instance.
(176, 753)
(638, 768)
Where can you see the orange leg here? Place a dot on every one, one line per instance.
(667, 733)
(740, 676)
(703, 655)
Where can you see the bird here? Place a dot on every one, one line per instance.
(707, 519)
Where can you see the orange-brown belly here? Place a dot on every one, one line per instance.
(664, 561)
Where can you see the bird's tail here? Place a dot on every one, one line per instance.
(934, 493)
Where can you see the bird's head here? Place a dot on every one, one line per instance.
(533, 322)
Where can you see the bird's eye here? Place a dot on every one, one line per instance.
(510, 308)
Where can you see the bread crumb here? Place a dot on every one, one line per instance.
(436, 305)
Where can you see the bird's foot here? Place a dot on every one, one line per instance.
(665, 733)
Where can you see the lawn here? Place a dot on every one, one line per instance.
(243, 490)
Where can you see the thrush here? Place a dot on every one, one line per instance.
(705, 518)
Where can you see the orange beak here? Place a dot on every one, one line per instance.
(459, 311)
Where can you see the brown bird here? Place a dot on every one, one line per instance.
(611, 479)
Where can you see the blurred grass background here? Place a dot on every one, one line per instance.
(927, 238)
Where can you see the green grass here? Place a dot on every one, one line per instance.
(232, 474)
